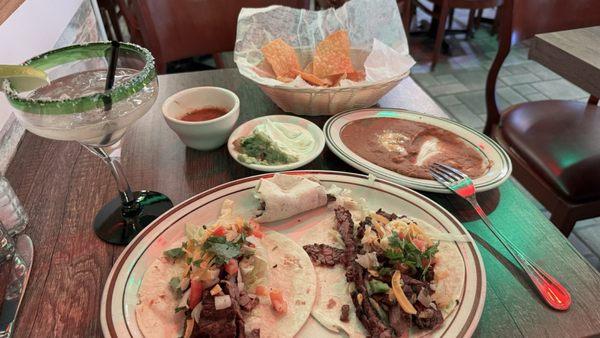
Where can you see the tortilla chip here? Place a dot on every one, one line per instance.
(332, 55)
(285, 79)
(335, 79)
(282, 58)
(309, 68)
(356, 76)
(264, 69)
(313, 79)
(335, 42)
(331, 63)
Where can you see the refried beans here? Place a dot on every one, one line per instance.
(409, 147)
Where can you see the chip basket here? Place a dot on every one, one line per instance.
(314, 101)
(328, 101)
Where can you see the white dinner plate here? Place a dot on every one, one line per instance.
(247, 128)
(119, 298)
(496, 174)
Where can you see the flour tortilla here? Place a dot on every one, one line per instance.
(281, 195)
(155, 312)
(291, 272)
(333, 286)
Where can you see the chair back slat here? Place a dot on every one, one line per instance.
(531, 17)
(522, 19)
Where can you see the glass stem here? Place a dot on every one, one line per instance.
(112, 157)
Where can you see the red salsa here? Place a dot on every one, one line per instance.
(203, 114)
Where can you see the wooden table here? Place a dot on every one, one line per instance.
(62, 185)
(572, 54)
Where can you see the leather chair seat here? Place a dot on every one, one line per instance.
(560, 140)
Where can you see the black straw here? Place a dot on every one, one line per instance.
(112, 65)
(110, 81)
(110, 74)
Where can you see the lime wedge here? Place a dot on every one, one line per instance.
(23, 78)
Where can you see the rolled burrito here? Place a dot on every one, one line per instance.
(283, 196)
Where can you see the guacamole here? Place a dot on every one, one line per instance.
(258, 148)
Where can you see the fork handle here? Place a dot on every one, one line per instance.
(553, 293)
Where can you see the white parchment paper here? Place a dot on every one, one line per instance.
(373, 26)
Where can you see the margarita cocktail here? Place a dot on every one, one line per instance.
(84, 102)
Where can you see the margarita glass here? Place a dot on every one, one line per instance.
(77, 106)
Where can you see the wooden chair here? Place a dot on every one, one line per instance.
(445, 8)
(127, 8)
(194, 27)
(109, 10)
(554, 145)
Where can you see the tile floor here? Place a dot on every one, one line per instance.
(458, 85)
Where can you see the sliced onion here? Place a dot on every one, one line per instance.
(184, 284)
(222, 302)
(253, 239)
(368, 260)
(240, 281)
(424, 297)
(184, 298)
(196, 312)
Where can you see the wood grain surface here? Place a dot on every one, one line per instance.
(7, 7)
(62, 186)
(572, 54)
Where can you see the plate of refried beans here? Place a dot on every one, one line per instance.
(400, 145)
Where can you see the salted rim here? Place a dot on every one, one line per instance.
(87, 102)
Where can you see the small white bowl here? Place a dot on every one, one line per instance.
(202, 135)
(247, 128)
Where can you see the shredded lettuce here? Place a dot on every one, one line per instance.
(255, 269)
(193, 231)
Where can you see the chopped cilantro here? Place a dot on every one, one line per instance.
(386, 271)
(222, 249)
(174, 284)
(174, 253)
(180, 308)
(405, 252)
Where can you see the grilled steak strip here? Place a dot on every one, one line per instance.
(322, 254)
(215, 323)
(364, 310)
(254, 333)
(355, 273)
(248, 302)
(345, 315)
(345, 226)
(234, 292)
(390, 217)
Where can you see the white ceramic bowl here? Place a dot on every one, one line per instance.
(247, 128)
(202, 135)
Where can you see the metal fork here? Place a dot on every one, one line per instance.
(547, 286)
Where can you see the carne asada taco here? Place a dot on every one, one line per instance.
(279, 196)
(383, 276)
(228, 279)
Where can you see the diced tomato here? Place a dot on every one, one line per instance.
(231, 267)
(424, 262)
(195, 293)
(277, 301)
(219, 231)
(256, 232)
(261, 290)
(420, 244)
